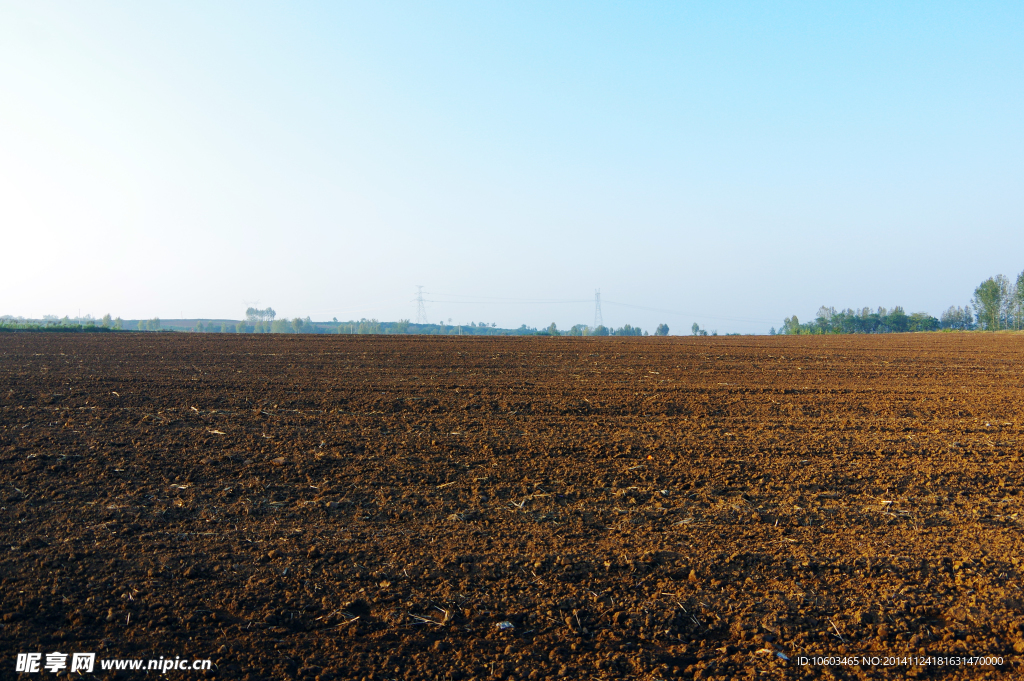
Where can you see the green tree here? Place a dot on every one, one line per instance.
(1018, 301)
(368, 326)
(791, 325)
(1006, 295)
(143, 325)
(118, 324)
(254, 315)
(823, 322)
(662, 330)
(199, 326)
(922, 321)
(897, 320)
(106, 321)
(988, 299)
(553, 330)
(957, 318)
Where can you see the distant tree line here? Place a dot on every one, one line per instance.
(14, 325)
(997, 304)
(265, 321)
(52, 323)
(600, 330)
(442, 328)
(829, 320)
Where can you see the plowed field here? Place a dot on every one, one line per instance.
(520, 508)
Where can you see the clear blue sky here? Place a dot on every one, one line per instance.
(735, 163)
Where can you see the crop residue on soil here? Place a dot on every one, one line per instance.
(420, 507)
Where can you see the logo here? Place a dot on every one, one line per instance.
(55, 662)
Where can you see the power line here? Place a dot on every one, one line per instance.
(690, 314)
(508, 302)
(488, 299)
(421, 309)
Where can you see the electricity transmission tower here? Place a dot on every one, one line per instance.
(598, 319)
(421, 309)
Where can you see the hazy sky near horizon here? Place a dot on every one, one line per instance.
(725, 163)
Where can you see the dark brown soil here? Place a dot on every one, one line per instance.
(373, 507)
